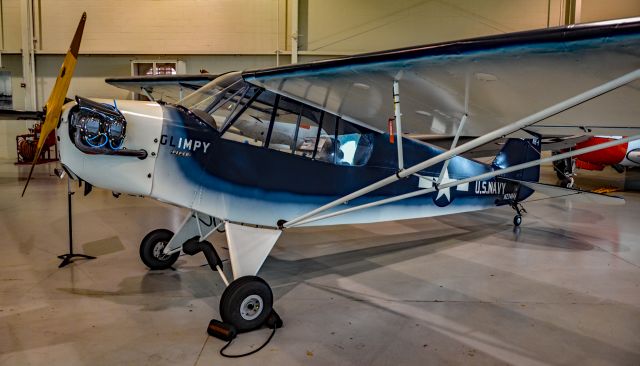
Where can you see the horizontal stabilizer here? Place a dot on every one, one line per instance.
(570, 193)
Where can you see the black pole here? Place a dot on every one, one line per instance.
(70, 220)
(66, 258)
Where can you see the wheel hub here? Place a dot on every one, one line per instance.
(251, 307)
(158, 251)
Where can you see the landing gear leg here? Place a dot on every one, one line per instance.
(517, 219)
(160, 249)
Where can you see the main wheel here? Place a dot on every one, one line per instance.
(151, 249)
(517, 220)
(246, 303)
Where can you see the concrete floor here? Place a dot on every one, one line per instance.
(462, 289)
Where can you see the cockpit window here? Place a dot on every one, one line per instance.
(250, 121)
(248, 114)
(220, 98)
(353, 146)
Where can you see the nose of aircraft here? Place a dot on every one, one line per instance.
(633, 154)
(111, 144)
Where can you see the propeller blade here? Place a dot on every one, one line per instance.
(58, 94)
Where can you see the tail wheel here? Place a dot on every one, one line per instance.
(246, 303)
(152, 247)
(517, 220)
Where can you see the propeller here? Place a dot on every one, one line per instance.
(53, 108)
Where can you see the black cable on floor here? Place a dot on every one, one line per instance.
(248, 353)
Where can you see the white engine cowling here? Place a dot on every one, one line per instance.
(124, 174)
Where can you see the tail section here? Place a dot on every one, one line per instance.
(518, 151)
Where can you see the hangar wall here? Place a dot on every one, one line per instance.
(226, 35)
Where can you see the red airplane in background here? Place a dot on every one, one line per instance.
(619, 157)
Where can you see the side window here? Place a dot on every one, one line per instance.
(326, 147)
(285, 125)
(352, 146)
(252, 124)
(296, 128)
(307, 132)
(315, 135)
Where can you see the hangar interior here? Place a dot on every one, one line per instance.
(469, 288)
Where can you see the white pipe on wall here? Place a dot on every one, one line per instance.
(294, 31)
(28, 61)
(577, 11)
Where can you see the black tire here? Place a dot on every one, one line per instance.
(517, 220)
(237, 305)
(151, 250)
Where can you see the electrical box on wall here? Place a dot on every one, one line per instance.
(6, 95)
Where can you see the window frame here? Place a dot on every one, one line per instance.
(320, 122)
(233, 118)
(301, 109)
(272, 120)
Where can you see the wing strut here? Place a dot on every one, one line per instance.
(484, 176)
(463, 120)
(479, 141)
(148, 94)
(398, 115)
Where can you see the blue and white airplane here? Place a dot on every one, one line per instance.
(259, 152)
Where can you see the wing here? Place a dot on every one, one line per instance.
(169, 88)
(548, 143)
(507, 77)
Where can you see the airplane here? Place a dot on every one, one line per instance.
(620, 158)
(334, 150)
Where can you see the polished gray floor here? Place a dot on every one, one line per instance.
(462, 289)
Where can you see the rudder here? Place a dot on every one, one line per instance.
(517, 151)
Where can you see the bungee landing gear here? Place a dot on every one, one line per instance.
(247, 302)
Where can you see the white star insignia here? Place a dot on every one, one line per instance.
(446, 191)
(428, 182)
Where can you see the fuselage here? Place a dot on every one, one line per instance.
(191, 164)
(627, 154)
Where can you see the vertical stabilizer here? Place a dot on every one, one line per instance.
(518, 151)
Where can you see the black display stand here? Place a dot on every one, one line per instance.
(66, 258)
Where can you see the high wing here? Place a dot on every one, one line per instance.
(168, 88)
(505, 78)
(548, 143)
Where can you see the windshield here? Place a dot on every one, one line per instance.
(219, 99)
